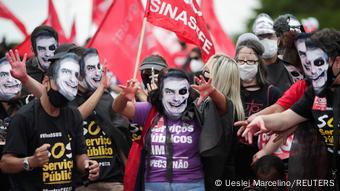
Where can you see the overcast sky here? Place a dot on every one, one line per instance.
(233, 16)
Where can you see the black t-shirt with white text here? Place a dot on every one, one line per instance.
(320, 110)
(32, 127)
(100, 139)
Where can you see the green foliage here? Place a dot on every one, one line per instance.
(326, 11)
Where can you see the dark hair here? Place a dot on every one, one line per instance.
(56, 63)
(155, 96)
(153, 60)
(40, 31)
(266, 164)
(83, 53)
(328, 40)
(281, 24)
(257, 47)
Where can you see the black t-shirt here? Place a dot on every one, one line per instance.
(32, 127)
(278, 75)
(255, 101)
(32, 68)
(104, 138)
(320, 110)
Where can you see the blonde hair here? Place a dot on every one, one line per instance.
(226, 78)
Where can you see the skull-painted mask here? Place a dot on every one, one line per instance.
(45, 47)
(175, 95)
(318, 60)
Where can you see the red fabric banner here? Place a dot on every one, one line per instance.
(117, 39)
(6, 13)
(53, 21)
(223, 43)
(99, 9)
(185, 19)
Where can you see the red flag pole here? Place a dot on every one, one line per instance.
(139, 48)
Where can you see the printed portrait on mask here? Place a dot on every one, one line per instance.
(92, 70)
(175, 94)
(301, 48)
(66, 77)
(45, 47)
(294, 72)
(318, 61)
(9, 86)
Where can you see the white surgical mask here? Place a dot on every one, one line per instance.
(196, 65)
(247, 72)
(270, 48)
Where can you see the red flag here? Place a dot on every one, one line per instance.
(73, 35)
(25, 46)
(6, 13)
(151, 46)
(117, 38)
(99, 9)
(221, 40)
(185, 19)
(53, 21)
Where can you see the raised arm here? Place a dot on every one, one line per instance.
(274, 122)
(19, 72)
(88, 106)
(123, 103)
(206, 89)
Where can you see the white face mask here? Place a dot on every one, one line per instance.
(270, 48)
(93, 73)
(318, 60)
(294, 72)
(9, 86)
(175, 95)
(248, 72)
(301, 48)
(196, 65)
(45, 47)
(67, 78)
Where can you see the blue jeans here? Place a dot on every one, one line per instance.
(166, 186)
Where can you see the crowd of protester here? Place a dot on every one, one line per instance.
(258, 121)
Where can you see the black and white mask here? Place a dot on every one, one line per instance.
(93, 72)
(9, 86)
(67, 75)
(175, 95)
(301, 48)
(318, 61)
(45, 47)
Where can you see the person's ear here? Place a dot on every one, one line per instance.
(337, 62)
(45, 81)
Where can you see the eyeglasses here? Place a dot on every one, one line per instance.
(248, 62)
